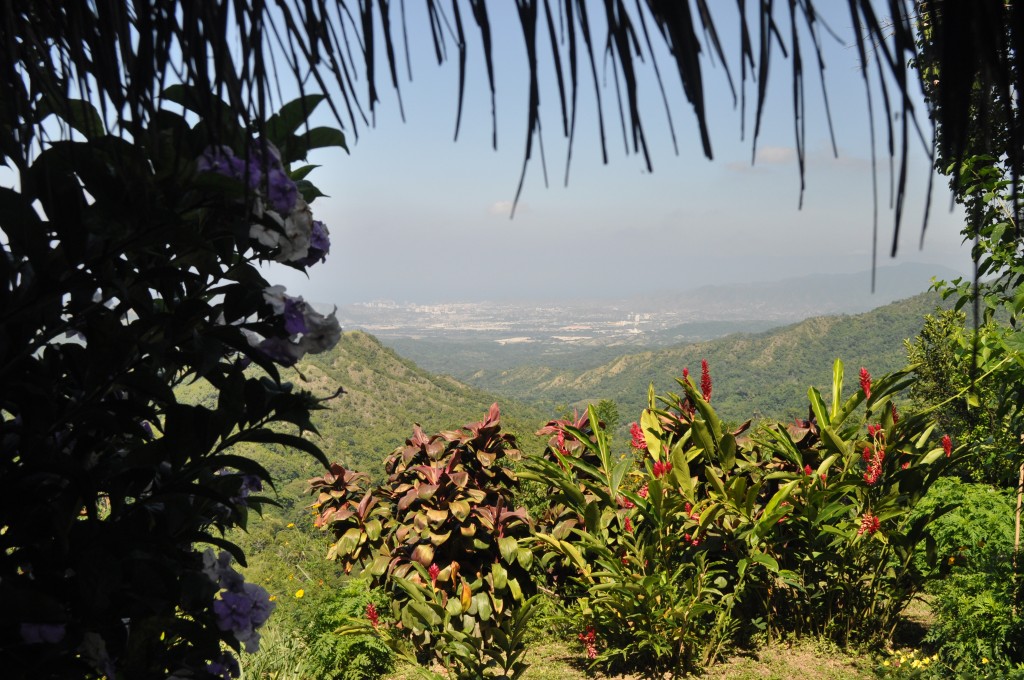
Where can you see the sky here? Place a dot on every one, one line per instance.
(417, 217)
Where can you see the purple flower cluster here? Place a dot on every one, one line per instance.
(250, 483)
(225, 667)
(241, 607)
(308, 330)
(286, 224)
(261, 169)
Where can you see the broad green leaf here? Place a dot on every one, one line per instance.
(837, 387)
(767, 560)
(818, 406)
(499, 577)
(727, 446)
(517, 592)
(651, 426)
(509, 547)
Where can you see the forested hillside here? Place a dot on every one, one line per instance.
(384, 395)
(764, 374)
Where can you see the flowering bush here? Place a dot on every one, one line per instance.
(128, 270)
(716, 536)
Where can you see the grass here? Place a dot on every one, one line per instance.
(777, 661)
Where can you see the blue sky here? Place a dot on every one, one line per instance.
(416, 217)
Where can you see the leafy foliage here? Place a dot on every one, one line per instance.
(137, 274)
(793, 533)
(443, 539)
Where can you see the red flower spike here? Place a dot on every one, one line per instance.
(895, 415)
(874, 460)
(639, 442)
(869, 524)
(642, 492)
(434, 571)
(905, 465)
(865, 383)
(661, 469)
(629, 525)
(589, 640)
(626, 503)
(705, 381)
(808, 471)
(875, 430)
(947, 445)
(372, 615)
(687, 508)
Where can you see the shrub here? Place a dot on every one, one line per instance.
(441, 538)
(127, 270)
(975, 601)
(809, 531)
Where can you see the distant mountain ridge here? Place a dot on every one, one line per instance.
(764, 374)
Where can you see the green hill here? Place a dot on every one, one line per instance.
(384, 396)
(765, 374)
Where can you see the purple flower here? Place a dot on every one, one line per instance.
(319, 245)
(281, 351)
(281, 190)
(294, 318)
(39, 633)
(225, 667)
(243, 611)
(249, 484)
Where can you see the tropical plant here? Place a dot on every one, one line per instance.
(129, 270)
(976, 600)
(441, 537)
(715, 536)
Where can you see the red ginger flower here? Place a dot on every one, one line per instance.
(626, 503)
(808, 471)
(869, 524)
(642, 492)
(895, 415)
(874, 430)
(589, 640)
(629, 525)
(947, 445)
(874, 472)
(705, 381)
(372, 615)
(433, 571)
(661, 469)
(865, 382)
(639, 442)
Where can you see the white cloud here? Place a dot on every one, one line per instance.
(776, 154)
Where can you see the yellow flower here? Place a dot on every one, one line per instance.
(935, 657)
(952, 560)
(885, 664)
(291, 525)
(291, 576)
(984, 660)
(273, 598)
(299, 593)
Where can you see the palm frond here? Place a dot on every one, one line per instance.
(121, 55)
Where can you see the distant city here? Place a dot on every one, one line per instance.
(654, 319)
